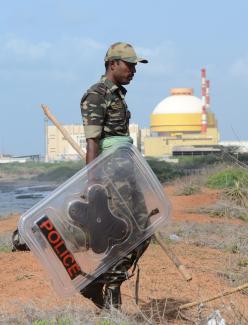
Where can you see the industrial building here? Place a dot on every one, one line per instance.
(58, 148)
(183, 124)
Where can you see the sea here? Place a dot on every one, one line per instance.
(19, 196)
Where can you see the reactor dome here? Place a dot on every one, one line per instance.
(181, 101)
(179, 113)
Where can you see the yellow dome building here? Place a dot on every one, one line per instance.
(176, 126)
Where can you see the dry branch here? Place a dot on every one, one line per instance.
(63, 131)
(225, 293)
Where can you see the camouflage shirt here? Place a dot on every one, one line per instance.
(105, 111)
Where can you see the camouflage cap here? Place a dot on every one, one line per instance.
(123, 51)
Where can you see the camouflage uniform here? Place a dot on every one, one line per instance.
(105, 114)
(104, 110)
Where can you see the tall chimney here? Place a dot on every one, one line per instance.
(207, 96)
(204, 111)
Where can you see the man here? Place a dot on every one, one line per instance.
(106, 122)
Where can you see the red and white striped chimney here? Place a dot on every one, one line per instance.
(204, 110)
(207, 95)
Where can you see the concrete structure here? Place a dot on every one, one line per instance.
(6, 159)
(182, 120)
(135, 134)
(240, 146)
(57, 148)
(145, 133)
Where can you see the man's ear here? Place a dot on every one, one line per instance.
(113, 64)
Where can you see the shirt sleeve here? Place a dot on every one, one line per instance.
(93, 108)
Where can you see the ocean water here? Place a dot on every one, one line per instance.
(21, 196)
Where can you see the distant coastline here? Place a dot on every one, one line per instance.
(38, 171)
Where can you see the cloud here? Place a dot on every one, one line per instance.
(67, 59)
(61, 60)
(239, 68)
(21, 48)
(161, 59)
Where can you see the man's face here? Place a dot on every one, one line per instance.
(123, 72)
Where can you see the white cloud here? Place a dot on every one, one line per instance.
(22, 50)
(239, 68)
(161, 59)
(61, 60)
(25, 49)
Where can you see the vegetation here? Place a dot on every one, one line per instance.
(165, 171)
(224, 209)
(228, 178)
(238, 194)
(41, 171)
(187, 165)
(58, 321)
(188, 189)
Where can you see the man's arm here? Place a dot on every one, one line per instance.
(92, 149)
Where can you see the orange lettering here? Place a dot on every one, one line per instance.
(56, 247)
(47, 224)
(66, 260)
(73, 270)
(53, 237)
(64, 253)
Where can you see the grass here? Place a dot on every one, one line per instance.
(218, 236)
(41, 171)
(228, 178)
(223, 209)
(238, 194)
(5, 243)
(60, 321)
(5, 249)
(188, 189)
(31, 314)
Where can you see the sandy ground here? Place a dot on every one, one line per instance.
(23, 281)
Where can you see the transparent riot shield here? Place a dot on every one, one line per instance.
(95, 218)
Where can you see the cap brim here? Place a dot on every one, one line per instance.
(134, 60)
(141, 60)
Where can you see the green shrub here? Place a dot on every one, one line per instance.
(60, 173)
(198, 162)
(38, 169)
(59, 321)
(188, 189)
(165, 171)
(238, 194)
(228, 178)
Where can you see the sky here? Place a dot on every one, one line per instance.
(52, 51)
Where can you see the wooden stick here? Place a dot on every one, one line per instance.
(225, 293)
(66, 135)
(181, 268)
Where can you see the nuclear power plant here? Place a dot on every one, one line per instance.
(183, 124)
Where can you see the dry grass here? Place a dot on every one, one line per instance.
(32, 315)
(223, 208)
(237, 195)
(5, 242)
(189, 188)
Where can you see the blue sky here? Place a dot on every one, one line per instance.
(51, 51)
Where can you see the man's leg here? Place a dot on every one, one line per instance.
(112, 295)
(94, 292)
